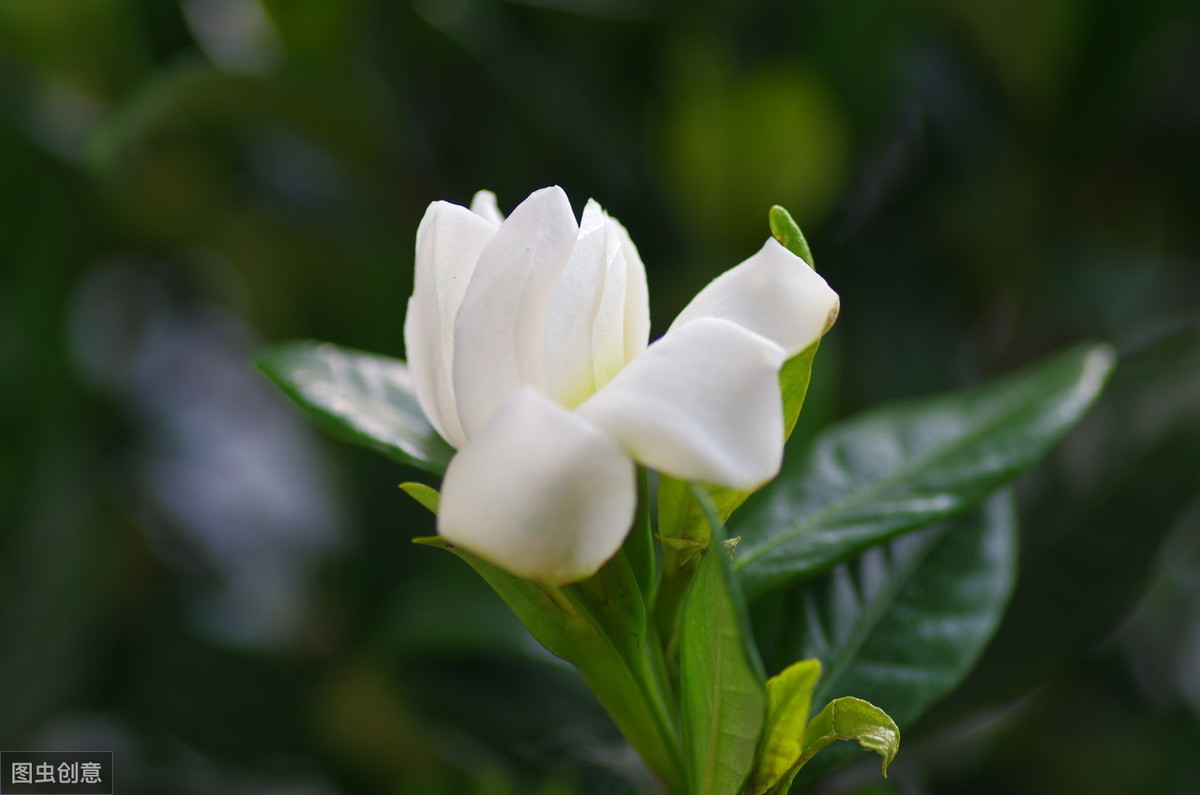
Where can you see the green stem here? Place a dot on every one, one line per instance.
(638, 696)
(676, 574)
(682, 546)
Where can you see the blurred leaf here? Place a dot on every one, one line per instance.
(1029, 46)
(900, 468)
(1105, 502)
(97, 45)
(56, 587)
(723, 697)
(313, 29)
(190, 95)
(734, 137)
(426, 496)
(789, 694)
(904, 623)
(850, 718)
(360, 397)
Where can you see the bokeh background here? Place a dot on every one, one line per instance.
(194, 578)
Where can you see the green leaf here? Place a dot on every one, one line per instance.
(789, 696)
(722, 693)
(785, 229)
(1102, 533)
(904, 467)
(903, 624)
(793, 384)
(850, 718)
(427, 496)
(360, 397)
(600, 626)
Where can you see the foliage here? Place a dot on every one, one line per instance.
(188, 574)
(899, 620)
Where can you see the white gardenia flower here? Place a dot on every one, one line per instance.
(527, 343)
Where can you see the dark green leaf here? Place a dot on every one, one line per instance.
(903, 624)
(723, 695)
(359, 397)
(1105, 502)
(901, 468)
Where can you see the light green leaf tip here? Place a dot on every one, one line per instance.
(789, 699)
(785, 229)
(426, 495)
(850, 718)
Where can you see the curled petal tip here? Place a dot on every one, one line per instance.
(833, 315)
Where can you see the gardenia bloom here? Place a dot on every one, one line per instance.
(527, 343)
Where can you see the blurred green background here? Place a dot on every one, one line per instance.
(192, 577)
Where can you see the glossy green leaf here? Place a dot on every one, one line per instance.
(789, 697)
(600, 626)
(359, 397)
(722, 693)
(850, 718)
(902, 624)
(901, 468)
(1139, 485)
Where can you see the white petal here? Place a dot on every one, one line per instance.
(608, 327)
(593, 217)
(483, 204)
(449, 242)
(637, 297)
(599, 317)
(701, 404)
(422, 343)
(569, 318)
(539, 492)
(774, 293)
(499, 334)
